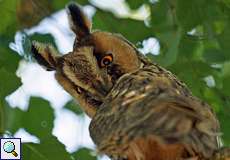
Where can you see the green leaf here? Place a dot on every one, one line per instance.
(224, 39)
(39, 118)
(213, 98)
(162, 17)
(169, 42)
(8, 11)
(9, 82)
(49, 149)
(74, 107)
(227, 3)
(82, 2)
(226, 86)
(8, 55)
(12, 118)
(188, 47)
(133, 30)
(84, 154)
(172, 44)
(192, 73)
(213, 56)
(224, 117)
(226, 69)
(163, 24)
(189, 13)
(134, 4)
(61, 4)
(197, 12)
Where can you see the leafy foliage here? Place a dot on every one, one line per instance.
(108, 22)
(71, 105)
(194, 37)
(84, 154)
(48, 149)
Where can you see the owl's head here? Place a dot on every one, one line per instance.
(97, 61)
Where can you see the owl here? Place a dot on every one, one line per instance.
(139, 110)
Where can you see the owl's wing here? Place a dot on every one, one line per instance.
(152, 104)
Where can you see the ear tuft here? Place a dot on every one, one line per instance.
(45, 55)
(79, 22)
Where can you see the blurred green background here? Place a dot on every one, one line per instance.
(194, 40)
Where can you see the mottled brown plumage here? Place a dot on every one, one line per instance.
(139, 110)
(152, 104)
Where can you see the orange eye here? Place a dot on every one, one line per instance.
(106, 60)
